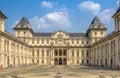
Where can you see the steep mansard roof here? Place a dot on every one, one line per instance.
(118, 10)
(42, 34)
(23, 24)
(50, 34)
(96, 21)
(96, 24)
(1, 14)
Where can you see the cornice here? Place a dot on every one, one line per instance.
(12, 37)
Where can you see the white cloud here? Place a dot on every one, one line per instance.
(118, 2)
(15, 23)
(106, 15)
(47, 4)
(55, 19)
(90, 6)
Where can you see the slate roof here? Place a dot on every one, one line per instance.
(23, 23)
(118, 10)
(77, 34)
(2, 14)
(42, 34)
(50, 34)
(96, 22)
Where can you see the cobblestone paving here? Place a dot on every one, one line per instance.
(47, 71)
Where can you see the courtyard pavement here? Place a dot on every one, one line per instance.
(48, 71)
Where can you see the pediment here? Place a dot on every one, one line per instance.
(60, 34)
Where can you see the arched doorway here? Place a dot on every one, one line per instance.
(8, 61)
(60, 61)
(111, 62)
(60, 57)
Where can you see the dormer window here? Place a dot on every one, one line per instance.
(24, 26)
(101, 33)
(101, 26)
(95, 33)
(18, 33)
(24, 33)
(18, 26)
(95, 26)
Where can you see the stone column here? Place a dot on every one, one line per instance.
(10, 53)
(51, 55)
(2, 51)
(68, 56)
(117, 51)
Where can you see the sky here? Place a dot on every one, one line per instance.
(53, 15)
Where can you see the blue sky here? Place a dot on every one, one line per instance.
(52, 15)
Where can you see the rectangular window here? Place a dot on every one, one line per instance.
(47, 53)
(64, 53)
(87, 42)
(87, 61)
(42, 41)
(82, 42)
(38, 61)
(25, 33)
(18, 33)
(32, 60)
(47, 41)
(37, 41)
(83, 61)
(37, 53)
(43, 53)
(42, 61)
(77, 41)
(78, 53)
(73, 53)
(33, 41)
(33, 53)
(78, 61)
(95, 33)
(82, 53)
(87, 54)
(72, 41)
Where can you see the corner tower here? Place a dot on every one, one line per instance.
(23, 30)
(2, 20)
(116, 17)
(96, 30)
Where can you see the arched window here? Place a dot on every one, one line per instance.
(87, 61)
(64, 53)
(60, 52)
(87, 53)
(47, 53)
(33, 52)
(37, 53)
(56, 53)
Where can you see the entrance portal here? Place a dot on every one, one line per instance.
(60, 61)
(60, 57)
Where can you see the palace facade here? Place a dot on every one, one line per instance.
(93, 47)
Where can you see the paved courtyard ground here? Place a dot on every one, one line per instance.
(47, 71)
